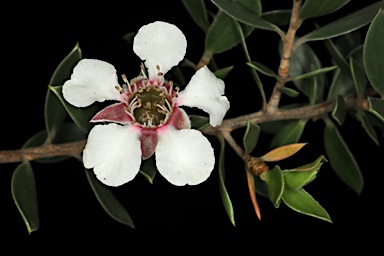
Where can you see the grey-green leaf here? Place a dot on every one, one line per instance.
(289, 134)
(337, 55)
(346, 24)
(148, 169)
(262, 69)
(222, 34)
(302, 202)
(301, 176)
(342, 84)
(277, 17)
(275, 181)
(81, 116)
(223, 191)
(199, 122)
(341, 158)
(339, 110)
(358, 76)
(313, 73)
(108, 200)
(54, 111)
(376, 107)
(374, 54)
(198, 12)
(241, 11)
(368, 126)
(223, 72)
(289, 92)
(251, 137)
(24, 194)
(316, 8)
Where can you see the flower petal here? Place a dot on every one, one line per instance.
(148, 141)
(113, 113)
(160, 43)
(113, 151)
(205, 91)
(184, 156)
(179, 119)
(91, 80)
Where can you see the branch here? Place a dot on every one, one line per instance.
(283, 71)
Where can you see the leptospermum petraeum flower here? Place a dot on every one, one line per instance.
(146, 118)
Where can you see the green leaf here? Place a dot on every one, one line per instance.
(316, 8)
(302, 202)
(242, 11)
(108, 200)
(337, 55)
(277, 17)
(304, 60)
(251, 137)
(313, 73)
(368, 126)
(54, 111)
(374, 54)
(275, 181)
(199, 122)
(341, 158)
(222, 73)
(272, 127)
(291, 133)
(301, 176)
(148, 169)
(358, 75)
(177, 75)
(345, 24)
(24, 194)
(289, 92)
(347, 43)
(376, 107)
(262, 69)
(339, 110)
(198, 12)
(223, 191)
(81, 116)
(342, 84)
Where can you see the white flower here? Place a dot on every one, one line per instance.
(146, 117)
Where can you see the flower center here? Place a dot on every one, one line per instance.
(151, 108)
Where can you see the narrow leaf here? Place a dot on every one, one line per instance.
(302, 202)
(313, 73)
(282, 152)
(337, 55)
(301, 176)
(374, 54)
(289, 92)
(277, 17)
(198, 12)
(342, 84)
(244, 14)
(222, 34)
(223, 191)
(368, 126)
(54, 111)
(222, 73)
(24, 194)
(108, 200)
(291, 133)
(275, 181)
(81, 116)
(346, 24)
(339, 110)
(251, 137)
(376, 107)
(199, 122)
(252, 193)
(341, 158)
(148, 169)
(358, 76)
(316, 8)
(262, 69)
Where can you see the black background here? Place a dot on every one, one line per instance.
(36, 38)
